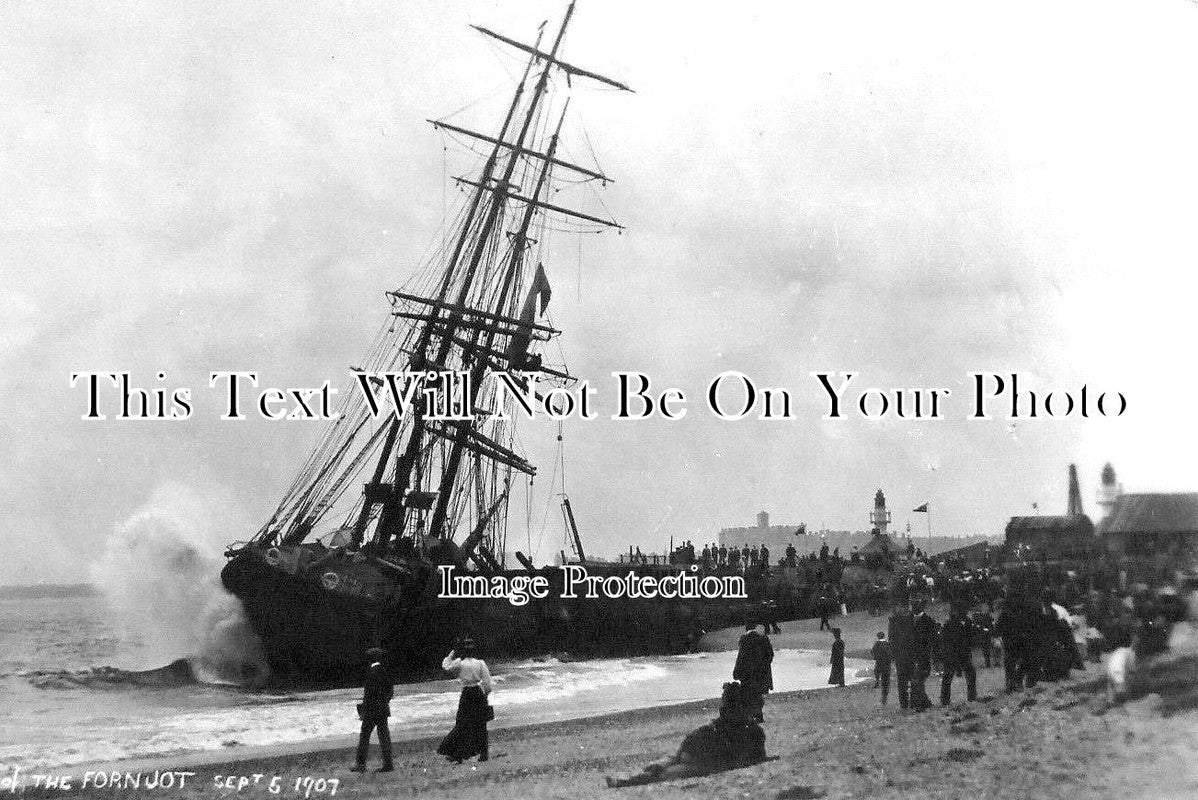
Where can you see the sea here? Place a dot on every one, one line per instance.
(75, 690)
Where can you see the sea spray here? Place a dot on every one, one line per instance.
(159, 575)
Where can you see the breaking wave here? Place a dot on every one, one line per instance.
(159, 575)
(177, 673)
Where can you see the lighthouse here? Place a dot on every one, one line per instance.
(880, 517)
(1109, 491)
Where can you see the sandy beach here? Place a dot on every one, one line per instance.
(1056, 741)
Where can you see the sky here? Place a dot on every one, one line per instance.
(908, 191)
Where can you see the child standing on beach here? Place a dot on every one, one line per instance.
(837, 676)
(882, 658)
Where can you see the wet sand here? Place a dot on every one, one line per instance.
(1057, 741)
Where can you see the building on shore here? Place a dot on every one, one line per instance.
(806, 541)
(1054, 536)
(979, 554)
(1153, 524)
(775, 537)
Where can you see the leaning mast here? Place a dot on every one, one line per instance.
(449, 321)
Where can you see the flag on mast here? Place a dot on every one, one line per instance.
(923, 509)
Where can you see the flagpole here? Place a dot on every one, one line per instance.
(926, 508)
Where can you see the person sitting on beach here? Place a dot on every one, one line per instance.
(836, 677)
(374, 710)
(731, 741)
(882, 658)
(469, 735)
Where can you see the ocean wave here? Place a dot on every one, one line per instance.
(177, 673)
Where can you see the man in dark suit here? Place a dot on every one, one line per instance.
(754, 668)
(956, 641)
(923, 638)
(374, 710)
(900, 630)
(1015, 625)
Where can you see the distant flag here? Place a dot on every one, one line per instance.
(923, 509)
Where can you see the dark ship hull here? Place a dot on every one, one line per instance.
(315, 635)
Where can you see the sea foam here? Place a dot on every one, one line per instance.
(159, 574)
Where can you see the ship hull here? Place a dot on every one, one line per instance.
(314, 636)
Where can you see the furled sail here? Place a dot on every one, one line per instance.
(534, 307)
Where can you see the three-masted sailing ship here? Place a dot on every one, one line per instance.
(436, 491)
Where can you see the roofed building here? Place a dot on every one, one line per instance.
(776, 537)
(1153, 524)
(1055, 536)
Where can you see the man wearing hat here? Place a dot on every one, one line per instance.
(374, 710)
(923, 637)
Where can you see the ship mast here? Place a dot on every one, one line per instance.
(469, 324)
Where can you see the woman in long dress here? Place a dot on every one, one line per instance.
(837, 676)
(469, 735)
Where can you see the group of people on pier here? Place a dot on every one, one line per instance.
(716, 556)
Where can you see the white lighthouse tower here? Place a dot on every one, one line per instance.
(1109, 491)
(880, 517)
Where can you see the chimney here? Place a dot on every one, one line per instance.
(1075, 493)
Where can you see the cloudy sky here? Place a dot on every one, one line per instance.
(909, 191)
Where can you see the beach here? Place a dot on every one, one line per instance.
(1055, 741)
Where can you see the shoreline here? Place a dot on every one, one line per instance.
(418, 741)
(1057, 741)
(797, 635)
(346, 745)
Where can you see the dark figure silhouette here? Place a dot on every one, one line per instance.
(923, 637)
(754, 669)
(883, 655)
(956, 640)
(1016, 624)
(902, 625)
(836, 678)
(374, 710)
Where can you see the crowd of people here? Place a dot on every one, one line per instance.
(717, 556)
(1038, 624)
(823, 564)
(1037, 621)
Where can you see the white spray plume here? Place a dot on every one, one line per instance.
(160, 574)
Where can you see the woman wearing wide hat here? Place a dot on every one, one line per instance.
(469, 735)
